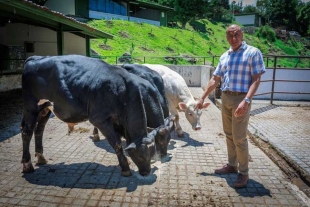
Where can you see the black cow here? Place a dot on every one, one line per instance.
(154, 78)
(163, 136)
(81, 89)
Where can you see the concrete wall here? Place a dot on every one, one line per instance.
(246, 19)
(10, 82)
(45, 40)
(195, 76)
(295, 87)
(199, 76)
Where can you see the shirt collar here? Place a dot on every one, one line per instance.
(243, 47)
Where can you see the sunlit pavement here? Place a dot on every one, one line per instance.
(81, 172)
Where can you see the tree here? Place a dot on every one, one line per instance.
(186, 10)
(303, 19)
(249, 9)
(284, 13)
(218, 8)
(263, 8)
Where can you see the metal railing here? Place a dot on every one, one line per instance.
(271, 61)
(274, 81)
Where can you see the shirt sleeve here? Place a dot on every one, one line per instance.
(258, 65)
(219, 68)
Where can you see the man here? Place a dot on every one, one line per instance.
(240, 69)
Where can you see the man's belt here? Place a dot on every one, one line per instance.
(234, 93)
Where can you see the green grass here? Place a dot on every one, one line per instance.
(151, 44)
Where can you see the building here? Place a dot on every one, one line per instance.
(128, 10)
(248, 19)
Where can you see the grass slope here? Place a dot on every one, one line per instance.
(154, 44)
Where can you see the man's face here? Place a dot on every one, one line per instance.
(234, 37)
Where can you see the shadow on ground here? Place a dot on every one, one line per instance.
(253, 188)
(87, 175)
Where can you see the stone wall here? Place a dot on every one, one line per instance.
(10, 82)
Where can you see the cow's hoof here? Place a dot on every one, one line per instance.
(126, 173)
(181, 135)
(27, 167)
(41, 159)
(96, 138)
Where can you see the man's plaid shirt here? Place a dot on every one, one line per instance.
(236, 68)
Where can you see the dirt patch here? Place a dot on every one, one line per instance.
(124, 34)
(147, 49)
(105, 47)
(169, 49)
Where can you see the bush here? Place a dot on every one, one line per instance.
(267, 32)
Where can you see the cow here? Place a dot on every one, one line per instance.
(179, 97)
(154, 78)
(79, 88)
(163, 136)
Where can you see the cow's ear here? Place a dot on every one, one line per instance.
(131, 146)
(205, 105)
(182, 106)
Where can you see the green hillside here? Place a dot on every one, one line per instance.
(153, 44)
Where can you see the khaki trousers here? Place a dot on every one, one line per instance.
(235, 129)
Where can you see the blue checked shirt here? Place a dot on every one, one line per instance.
(236, 68)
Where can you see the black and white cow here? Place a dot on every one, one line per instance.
(79, 88)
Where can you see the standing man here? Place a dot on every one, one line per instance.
(240, 69)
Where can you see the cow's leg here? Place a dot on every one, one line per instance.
(114, 139)
(178, 127)
(27, 128)
(70, 127)
(38, 133)
(96, 135)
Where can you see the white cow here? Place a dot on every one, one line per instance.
(179, 97)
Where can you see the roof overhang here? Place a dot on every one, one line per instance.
(22, 11)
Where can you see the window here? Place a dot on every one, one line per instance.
(108, 6)
(29, 47)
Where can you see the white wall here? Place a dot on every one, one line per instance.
(246, 19)
(45, 40)
(199, 76)
(74, 44)
(295, 87)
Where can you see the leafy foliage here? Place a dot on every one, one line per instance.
(181, 46)
(267, 32)
(304, 19)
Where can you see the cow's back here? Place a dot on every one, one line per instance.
(155, 80)
(77, 85)
(176, 88)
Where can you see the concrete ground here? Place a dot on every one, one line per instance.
(83, 173)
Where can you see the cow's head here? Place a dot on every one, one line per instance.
(162, 135)
(192, 115)
(141, 154)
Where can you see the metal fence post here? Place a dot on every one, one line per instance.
(273, 78)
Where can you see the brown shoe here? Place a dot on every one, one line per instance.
(226, 169)
(242, 180)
